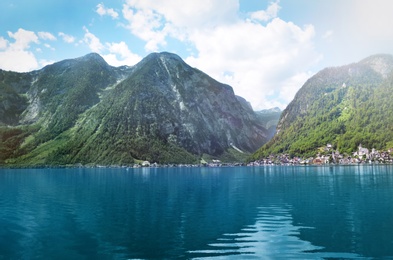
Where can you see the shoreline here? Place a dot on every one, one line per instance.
(224, 165)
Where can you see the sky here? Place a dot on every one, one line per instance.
(265, 50)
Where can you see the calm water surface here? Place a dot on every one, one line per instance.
(196, 213)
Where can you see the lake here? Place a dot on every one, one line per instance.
(272, 212)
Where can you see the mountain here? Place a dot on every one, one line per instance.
(343, 106)
(267, 117)
(84, 111)
(270, 118)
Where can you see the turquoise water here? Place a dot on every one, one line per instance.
(340, 212)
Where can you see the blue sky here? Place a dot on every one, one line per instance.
(265, 50)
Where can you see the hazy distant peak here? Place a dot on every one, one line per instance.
(275, 109)
(271, 110)
(381, 63)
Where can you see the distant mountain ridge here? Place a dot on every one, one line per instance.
(84, 111)
(343, 106)
(270, 117)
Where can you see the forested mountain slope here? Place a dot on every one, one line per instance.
(344, 106)
(83, 111)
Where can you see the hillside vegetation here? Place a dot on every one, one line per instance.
(83, 111)
(343, 106)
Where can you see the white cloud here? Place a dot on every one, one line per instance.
(120, 54)
(153, 21)
(18, 60)
(67, 38)
(92, 41)
(187, 14)
(47, 36)
(147, 25)
(23, 39)
(268, 14)
(49, 46)
(3, 43)
(116, 54)
(16, 55)
(101, 10)
(261, 62)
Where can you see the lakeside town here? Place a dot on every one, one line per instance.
(330, 156)
(327, 156)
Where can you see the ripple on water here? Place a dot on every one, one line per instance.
(273, 234)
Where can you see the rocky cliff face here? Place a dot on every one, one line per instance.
(85, 111)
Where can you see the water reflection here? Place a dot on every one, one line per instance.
(271, 235)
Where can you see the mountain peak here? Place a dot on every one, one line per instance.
(92, 57)
(270, 110)
(89, 59)
(381, 63)
(164, 54)
(163, 57)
